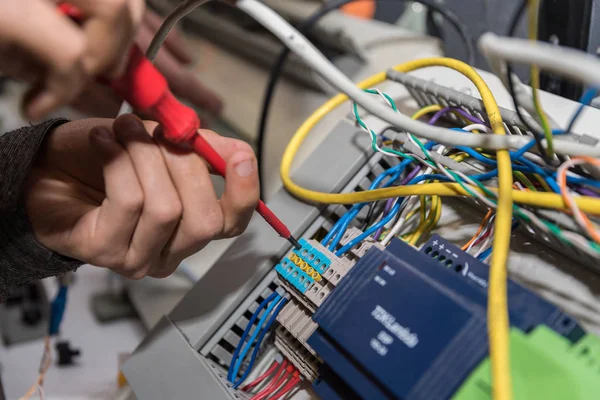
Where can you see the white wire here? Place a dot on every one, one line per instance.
(297, 43)
(411, 202)
(477, 127)
(573, 64)
(486, 243)
(310, 55)
(41, 391)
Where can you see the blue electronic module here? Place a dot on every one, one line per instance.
(404, 324)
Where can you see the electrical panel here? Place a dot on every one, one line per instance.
(382, 320)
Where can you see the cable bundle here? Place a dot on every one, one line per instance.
(506, 157)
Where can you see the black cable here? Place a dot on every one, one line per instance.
(537, 135)
(305, 26)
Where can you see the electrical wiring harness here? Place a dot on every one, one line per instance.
(519, 179)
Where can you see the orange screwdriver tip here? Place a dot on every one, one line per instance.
(294, 242)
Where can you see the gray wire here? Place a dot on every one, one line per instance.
(309, 54)
(159, 38)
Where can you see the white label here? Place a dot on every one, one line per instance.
(389, 322)
(378, 347)
(385, 338)
(389, 270)
(380, 280)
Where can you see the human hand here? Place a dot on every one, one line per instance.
(45, 48)
(118, 198)
(172, 61)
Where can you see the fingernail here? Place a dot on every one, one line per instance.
(245, 168)
(132, 123)
(102, 134)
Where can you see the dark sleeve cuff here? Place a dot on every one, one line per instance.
(18, 150)
(22, 258)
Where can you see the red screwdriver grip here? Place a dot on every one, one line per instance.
(146, 89)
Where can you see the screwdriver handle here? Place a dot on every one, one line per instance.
(147, 90)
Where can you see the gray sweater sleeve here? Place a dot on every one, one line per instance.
(22, 258)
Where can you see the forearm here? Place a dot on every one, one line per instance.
(22, 258)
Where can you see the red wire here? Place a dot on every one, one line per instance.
(287, 388)
(261, 378)
(279, 371)
(266, 392)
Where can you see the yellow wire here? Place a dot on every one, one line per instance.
(521, 177)
(426, 110)
(543, 182)
(432, 219)
(424, 219)
(498, 328)
(532, 13)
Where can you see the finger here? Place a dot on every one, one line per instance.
(109, 30)
(18, 64)
(97, 100)
(113, 223)
(60, 51)
(241, 182)
(174, 42)
(202, 217)
(183, 82)
(241, 193)
(162, 207)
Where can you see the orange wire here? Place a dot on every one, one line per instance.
(562, 183)
(485, 219)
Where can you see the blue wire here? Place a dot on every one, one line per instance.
(245, 334)
(342, 224)
(57, 310)
(261, 323)
(531, 167)
(370, 231)
(259, 342)
(585, 100)
(395, 174)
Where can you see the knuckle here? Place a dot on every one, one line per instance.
(72, 55)
(133, 203)
(165, 212)
(137, 273)
(242, 146)
(236, 230)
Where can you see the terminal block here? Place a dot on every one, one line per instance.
(297, 320)
(307, 363)
(313, 271)
(359, 251)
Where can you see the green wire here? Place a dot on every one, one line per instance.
(554, 229)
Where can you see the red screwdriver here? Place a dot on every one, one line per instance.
(147, 91)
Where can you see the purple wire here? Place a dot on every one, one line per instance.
(462, 112)
(587, 192)
(390, 202)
